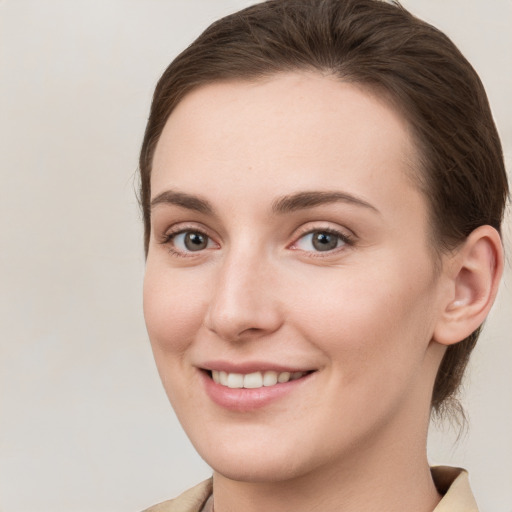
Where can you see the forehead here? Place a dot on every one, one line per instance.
(297, 130)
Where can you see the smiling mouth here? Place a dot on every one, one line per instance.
(254, 380)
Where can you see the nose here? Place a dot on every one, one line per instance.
(244, 302)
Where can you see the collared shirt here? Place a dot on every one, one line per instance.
(452, 484)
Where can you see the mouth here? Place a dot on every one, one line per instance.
(254, 380)
(251, 386)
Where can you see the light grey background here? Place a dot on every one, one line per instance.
(84, 422)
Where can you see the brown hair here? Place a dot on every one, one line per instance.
(383, 46)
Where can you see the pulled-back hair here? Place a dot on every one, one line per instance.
(405, 60)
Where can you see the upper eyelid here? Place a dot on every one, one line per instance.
(314, 226)
(181, 227)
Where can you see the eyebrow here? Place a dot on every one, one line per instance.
(286, 204)
(303, 200)
(184, 200)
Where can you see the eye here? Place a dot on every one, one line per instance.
(189, 241)
(321, 241)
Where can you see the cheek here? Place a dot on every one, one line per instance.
(375, 339)
(173, 310)
(368, 320)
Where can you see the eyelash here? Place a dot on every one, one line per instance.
(346, 239)
(169, 237)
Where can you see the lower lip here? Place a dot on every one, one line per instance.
(244, 399)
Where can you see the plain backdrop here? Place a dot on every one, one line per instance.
(84, 422)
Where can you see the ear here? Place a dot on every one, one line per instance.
(473, 272)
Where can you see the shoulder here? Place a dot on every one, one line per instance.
(453, 485)
(190, 501)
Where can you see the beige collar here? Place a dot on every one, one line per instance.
(452, 483)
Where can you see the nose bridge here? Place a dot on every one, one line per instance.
(242, 303)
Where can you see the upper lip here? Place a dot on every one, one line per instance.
(251, 367)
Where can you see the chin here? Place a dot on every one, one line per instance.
(241, 469)
(258, 462)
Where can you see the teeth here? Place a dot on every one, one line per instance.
(270, 378)
(254, 380)
(283, 377)
(235, 380)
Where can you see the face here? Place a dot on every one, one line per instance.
(290, 294)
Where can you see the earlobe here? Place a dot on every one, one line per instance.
(474, 276)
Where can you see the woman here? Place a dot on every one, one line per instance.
(322, 187)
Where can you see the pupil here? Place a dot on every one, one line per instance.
(195, 241)
(324, 241)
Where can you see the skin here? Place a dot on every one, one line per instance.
(363, 316)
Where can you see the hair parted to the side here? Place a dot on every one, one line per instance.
(409, 62)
